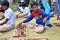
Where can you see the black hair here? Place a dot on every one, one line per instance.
(34, 3)
(5, 3)
(22, 4)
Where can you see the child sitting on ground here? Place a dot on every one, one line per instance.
(39, 14)
(9, 21)
(24, 11)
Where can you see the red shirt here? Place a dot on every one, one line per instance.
(35, 14)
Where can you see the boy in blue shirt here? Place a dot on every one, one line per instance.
(39, 14)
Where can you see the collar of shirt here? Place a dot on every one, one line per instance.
(7, 9)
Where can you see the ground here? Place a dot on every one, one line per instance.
(51, 34)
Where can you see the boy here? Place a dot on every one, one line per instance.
(24, 11)
(39, 14)
(9, 22)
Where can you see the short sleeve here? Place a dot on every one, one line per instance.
(8, 15)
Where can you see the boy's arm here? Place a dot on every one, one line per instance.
(45, 14)
(28, 19)
(4, 21)
(7, 16)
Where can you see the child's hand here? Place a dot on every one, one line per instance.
(45, 19)
(20, 23)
